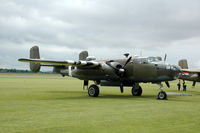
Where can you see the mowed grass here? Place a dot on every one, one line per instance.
(52, 104)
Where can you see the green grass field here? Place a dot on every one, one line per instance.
(52, 104)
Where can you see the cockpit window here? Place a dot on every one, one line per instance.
(141, 60)
(147, 60)
(153, 59)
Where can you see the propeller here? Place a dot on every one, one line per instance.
(121, 71)
(129, 59)
(167, 83)
(121, 88)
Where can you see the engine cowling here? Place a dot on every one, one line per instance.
(116, 65)
(90, 58)
(119, 70)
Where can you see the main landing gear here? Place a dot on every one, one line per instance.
(162, 95)
(93, 91)
(136, 90)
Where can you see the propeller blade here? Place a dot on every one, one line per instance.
(129, 59)
(167, 83)
(121, 88)
(165, 57)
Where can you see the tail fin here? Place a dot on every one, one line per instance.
(83, 55)
(35, 54)
(183, 64)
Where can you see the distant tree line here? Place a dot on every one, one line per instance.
(17, 71)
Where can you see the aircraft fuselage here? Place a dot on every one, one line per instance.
(138, 70)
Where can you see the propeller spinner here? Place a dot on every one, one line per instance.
(121, 71)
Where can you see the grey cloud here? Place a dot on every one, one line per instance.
(115, 26)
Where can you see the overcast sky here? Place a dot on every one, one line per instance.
(106, 28)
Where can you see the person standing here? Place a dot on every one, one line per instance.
(184, 86)
(179, 85)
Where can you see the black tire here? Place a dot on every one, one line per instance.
(162, 95)
(137, 91)
(93, 91)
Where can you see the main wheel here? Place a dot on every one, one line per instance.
(93, 91)
(137, 91)
(162, 95)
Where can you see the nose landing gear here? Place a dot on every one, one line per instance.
(162, 95)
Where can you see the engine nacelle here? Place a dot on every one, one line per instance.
(90, 58)
(115, 65)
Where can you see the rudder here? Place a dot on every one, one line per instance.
(35, 54)
(183, 64)
(83, 55)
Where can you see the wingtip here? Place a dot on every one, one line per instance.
(22, 59)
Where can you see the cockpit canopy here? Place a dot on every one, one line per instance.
(154, 59)
(146, 60)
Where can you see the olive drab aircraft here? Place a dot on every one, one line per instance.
(129, 71)
(192, 74)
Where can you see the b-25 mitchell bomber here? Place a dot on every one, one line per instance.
(129, 71)
(190, 74)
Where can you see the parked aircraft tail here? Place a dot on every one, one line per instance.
(35, 54)
(83, 55)
(183, 64)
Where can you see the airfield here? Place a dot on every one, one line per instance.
(38, 103)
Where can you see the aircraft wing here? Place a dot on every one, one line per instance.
(193, 70)
(85, 64)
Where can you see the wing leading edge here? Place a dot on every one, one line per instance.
(84, 64)
(194, 70)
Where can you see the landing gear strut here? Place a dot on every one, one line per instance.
(162, 95)
(85, 84)
(121, 88)
(93, 91)
(137, 90)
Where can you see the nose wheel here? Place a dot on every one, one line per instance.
(162, 95)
